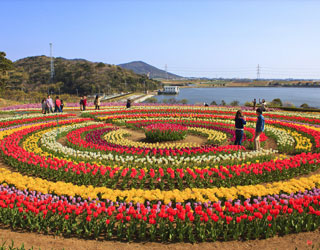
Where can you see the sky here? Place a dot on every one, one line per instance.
(217, 38)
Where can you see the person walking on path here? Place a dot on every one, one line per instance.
(84, 103)
(240, 121)
(97, 102)
(128, 103)
(49, 104)
(43, 105)
(263, 105)
(81, 103)
(62, 105)
(259, 129)
(57, 107)
(254, 103)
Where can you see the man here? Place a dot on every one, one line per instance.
(259, 128)
(49, 103)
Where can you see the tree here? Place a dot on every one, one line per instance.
(213, 103)
(223, 103)
(234, 103)
(5, 66)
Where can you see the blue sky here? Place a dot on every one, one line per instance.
(222, 38)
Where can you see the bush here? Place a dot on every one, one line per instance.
(234, 103)
(213, 103)
(304, 105)
(248, 104)
(184, 101)
(276, 102)
(151, 100)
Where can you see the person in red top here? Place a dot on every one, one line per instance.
(84, 103)
(57, 106)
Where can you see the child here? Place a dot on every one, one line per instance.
(81, 103)
(97, 102)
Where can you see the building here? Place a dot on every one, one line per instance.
(170, 90)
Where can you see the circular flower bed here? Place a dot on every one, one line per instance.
(160, 132)
(88, 177)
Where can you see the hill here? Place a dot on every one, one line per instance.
(74, 76)
(140, 67)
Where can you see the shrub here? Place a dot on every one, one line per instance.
(151, 100)
(304, 105)
(277, 102)
(234, 103)
(213, 103)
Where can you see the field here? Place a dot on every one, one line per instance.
(158, 176)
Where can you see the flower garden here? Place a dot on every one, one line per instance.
(138, 174)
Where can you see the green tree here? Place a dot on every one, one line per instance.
(223, 103)
(234, 103)
(5, 66)
(213, 103)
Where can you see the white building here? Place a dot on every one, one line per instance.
(171, 90)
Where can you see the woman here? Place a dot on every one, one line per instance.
(128, 103)
(97, 102)
(57, 106)
(259, 128)
(43, 105)
(239, 122)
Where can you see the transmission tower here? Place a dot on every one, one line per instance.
(258, 72)
(166, 70)
(51, 64)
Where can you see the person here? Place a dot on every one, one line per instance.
(254, 103)
(259, 128)
(128, 103)
(62, 105)
(43, 105)
(57, 106)
(97, 102)
(84, 103)
(239, 120)
(49, 104)
(81, 103)
(263, 105)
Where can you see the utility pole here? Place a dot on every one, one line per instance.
(51, 64)
(258, 72)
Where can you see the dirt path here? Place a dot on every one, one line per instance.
(294, 241)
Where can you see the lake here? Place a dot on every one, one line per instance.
(296, 96)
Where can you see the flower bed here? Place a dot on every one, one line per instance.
(159, 132)
(84, 178)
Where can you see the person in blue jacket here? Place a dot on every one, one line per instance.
(259, 128)
(240, 121)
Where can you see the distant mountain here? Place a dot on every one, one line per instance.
(140, 67)
(74, 76)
